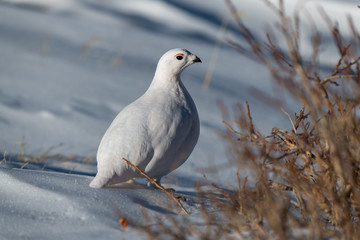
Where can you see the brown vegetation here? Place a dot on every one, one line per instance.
(307, 178)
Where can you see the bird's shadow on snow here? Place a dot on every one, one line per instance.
(141, 184)
(148, 205)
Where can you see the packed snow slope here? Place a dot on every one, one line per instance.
(67, 68)
(49, 205)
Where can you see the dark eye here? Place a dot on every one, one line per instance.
(179, 57)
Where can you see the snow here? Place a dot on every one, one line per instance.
(44, 204)
(68, 67)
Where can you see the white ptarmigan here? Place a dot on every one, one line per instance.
(157, 132)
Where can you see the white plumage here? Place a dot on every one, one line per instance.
(157, 132)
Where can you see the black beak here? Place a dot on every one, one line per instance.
(197, 60)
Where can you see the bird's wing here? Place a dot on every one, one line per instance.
(127, 137)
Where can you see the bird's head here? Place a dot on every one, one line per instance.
(174, 61)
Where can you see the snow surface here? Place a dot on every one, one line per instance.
(68, 67)
(44, 205)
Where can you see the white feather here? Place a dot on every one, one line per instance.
(157, 132)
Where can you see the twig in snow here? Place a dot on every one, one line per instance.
(158, 186)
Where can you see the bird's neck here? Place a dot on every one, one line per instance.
(165, 80)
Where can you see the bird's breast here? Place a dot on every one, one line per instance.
(170, 119)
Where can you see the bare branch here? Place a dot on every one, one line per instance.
(171, 195)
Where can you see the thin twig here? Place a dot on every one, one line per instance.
(233, 130)
(158, 186)
(292, 123)
(250, 119)
(276, 51)
(336, 77)
(343, 54)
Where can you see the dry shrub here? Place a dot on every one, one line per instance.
(307, 178)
